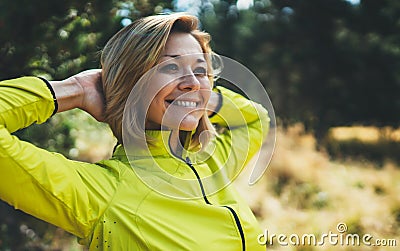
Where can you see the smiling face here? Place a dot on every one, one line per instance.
(179, 84)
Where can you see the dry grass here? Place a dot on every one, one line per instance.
(304, 192)
(365, 133)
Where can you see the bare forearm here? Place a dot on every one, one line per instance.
(83, 91)
(68, 93)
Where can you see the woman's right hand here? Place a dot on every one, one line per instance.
(93, 97)
(83, 90)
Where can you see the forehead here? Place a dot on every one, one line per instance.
(180, 43)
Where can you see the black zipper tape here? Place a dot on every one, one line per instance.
(235, 216)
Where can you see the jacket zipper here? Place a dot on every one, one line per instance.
(232, 211)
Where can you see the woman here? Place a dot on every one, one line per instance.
(161, 195)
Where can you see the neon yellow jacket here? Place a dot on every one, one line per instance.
(107, 205)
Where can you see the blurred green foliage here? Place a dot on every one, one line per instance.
(54, 135)
(324, 63)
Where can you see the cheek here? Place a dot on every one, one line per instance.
(160, 84)
(151, 103)
(206, 90)
(156, 107)
(155, 96)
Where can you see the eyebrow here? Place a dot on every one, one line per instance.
(199, 60)
(172, 56)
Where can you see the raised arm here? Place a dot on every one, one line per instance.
(41, 183)
(245, 125)
(18, 96)
(83, 90)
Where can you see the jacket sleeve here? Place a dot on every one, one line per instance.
(243, 125)
(63, 192)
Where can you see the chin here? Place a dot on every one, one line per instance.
(183, 121)
(189, 124)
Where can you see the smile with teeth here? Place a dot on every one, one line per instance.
(190, 104)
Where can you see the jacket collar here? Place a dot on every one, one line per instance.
(159, 146)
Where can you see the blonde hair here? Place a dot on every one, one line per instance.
(132, 52)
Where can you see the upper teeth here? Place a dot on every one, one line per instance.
(185, 103)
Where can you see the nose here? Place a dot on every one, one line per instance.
(189, 82)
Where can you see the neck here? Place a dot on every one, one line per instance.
(177, 141)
